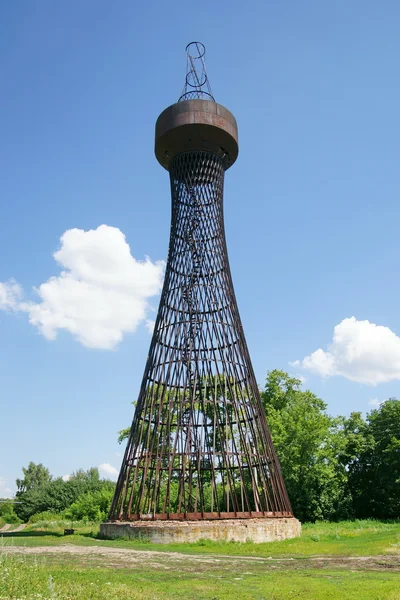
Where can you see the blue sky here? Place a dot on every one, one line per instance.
(311, 205)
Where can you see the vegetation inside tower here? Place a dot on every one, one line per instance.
(196, 451)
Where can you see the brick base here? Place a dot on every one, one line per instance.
(238, 530)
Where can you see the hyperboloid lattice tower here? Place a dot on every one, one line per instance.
(199, 448)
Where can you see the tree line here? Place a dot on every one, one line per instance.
(84, 496)
(334, 467)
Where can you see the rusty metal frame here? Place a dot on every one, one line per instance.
(199, 446)
(197, 85)
(209, 516)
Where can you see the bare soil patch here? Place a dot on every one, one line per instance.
(130, 559)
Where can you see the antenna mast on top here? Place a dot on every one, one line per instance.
(196, 85)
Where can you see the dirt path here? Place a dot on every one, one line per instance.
(19, 528)
(5, 527)
(127, 558)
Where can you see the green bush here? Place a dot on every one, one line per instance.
(7, 513)
(92, 506)
(46, 515)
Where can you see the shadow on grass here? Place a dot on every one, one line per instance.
(94, 535)
(23, 534)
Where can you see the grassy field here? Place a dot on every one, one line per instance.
(351, 560)
(347, 538)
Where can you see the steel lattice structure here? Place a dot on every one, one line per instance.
(199, 445)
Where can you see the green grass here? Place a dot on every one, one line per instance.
(28, 579)
(218, 574)
(348, 538)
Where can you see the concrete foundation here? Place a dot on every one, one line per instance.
(237, 530)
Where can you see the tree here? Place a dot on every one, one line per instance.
(374, 473)
(31, 489)
(309, 443)
(35, 476)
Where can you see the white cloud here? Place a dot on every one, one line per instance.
(108, 471)
(10, 295)
(150, 325)
(5, 491)
(374, 402)
(360, 351)
(101, 293)
(66, 477)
